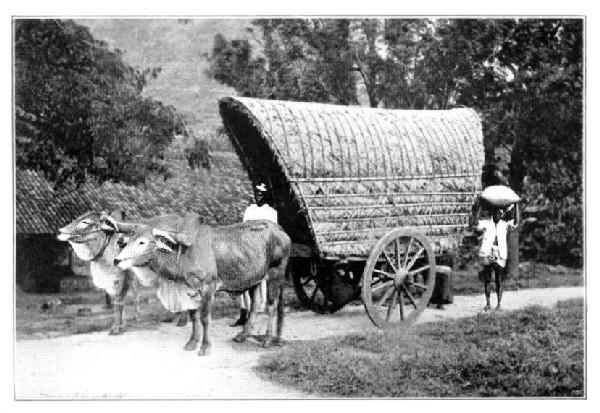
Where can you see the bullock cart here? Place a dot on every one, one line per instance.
(375, 201)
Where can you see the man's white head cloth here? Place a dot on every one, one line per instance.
(261, 187)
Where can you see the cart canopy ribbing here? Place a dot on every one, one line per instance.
(343, 176)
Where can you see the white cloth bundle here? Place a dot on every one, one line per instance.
(500, 196)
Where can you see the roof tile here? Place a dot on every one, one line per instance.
(40, 209)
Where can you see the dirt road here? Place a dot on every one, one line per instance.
(150, 364)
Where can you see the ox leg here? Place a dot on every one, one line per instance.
(243, 335)
(135, 291)
(182, 319)
(280, 316)
(275, 304)
(108, 301)
(195, 337)
(272, 301)
(119, 302)
(205, 308)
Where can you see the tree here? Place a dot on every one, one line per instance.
(79, 109)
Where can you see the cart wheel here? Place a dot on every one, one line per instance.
(398, 278)
(310, 287)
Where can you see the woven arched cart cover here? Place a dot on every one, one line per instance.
(343, 176)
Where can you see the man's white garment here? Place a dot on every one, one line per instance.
(176, 296)
(491, 231)
(255, 212)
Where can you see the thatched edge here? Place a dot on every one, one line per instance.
(234, 103)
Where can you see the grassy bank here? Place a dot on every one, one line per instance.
(534, 352)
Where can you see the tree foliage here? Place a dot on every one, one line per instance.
(300, 59)
(524, 76)
(80, 112)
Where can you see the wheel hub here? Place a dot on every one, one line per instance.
(399, 277)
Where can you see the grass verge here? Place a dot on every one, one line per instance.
(534, 352)
(532, 275)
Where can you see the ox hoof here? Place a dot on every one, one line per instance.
(240, 338)
(191, 345)
(204, 351)
(116, 330)
(277, 341)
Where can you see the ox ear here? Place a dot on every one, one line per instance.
(159, 233)
(184, 238)
(118, 215)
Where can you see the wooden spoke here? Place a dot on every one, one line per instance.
(390, 261)
(407, 252)
(385, 297)
(415, 258)
(387, 274)
(421, 286)
(410, 297)
(401, 302)
(392, 305)
(378, 280)
(418, 270)
(382, 286)
(397, 252)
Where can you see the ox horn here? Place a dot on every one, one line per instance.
(162, 246)
(164, 234)
(108, 223)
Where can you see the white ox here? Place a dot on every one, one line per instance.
(96, 240)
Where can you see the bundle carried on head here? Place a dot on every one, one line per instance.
(499, 196)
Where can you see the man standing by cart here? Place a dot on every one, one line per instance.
(260, 210)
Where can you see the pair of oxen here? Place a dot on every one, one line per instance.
(189, 260)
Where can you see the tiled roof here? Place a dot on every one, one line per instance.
(219, 196)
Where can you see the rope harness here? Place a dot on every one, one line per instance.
(139, 256)
(155, 249)
(86, 237)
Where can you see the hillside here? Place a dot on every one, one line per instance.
(181, 48)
